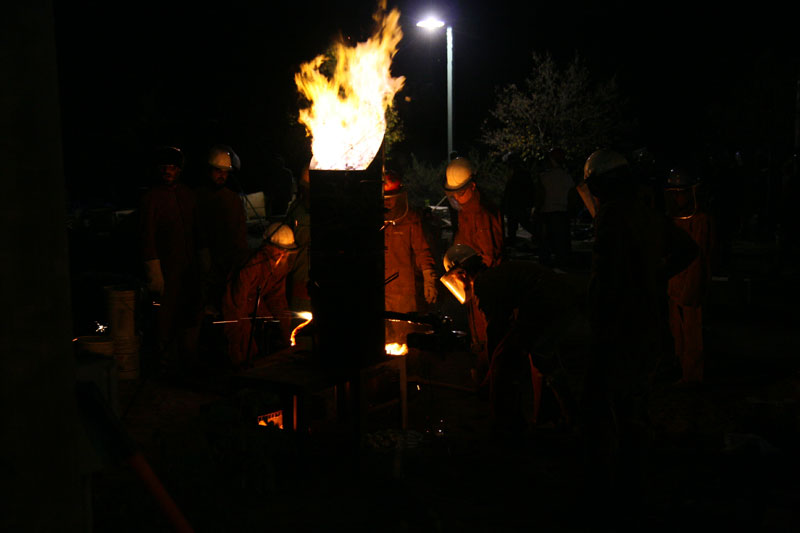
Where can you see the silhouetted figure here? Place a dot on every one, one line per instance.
(636, 250)
(556, 243)
(222, 219)
(519, 199)
(689, 288)
(171, 245)
(528, 308)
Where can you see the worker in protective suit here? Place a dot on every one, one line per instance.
(480, 226)
(298, 216)
(257, 293)
(172, 244)
(406, 251)
(636, 250)
(528, 308)
(689, 288)
(222, 218)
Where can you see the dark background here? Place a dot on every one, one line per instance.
(696, 78)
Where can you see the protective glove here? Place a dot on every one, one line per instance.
(155, 278)
(429, 278)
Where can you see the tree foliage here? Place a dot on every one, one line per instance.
(555, 107)
(425, 182)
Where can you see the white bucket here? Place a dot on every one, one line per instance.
(121, 305)
(126, 354)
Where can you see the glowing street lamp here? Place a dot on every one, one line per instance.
(431, 24)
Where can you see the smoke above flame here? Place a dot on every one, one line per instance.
(347, 116)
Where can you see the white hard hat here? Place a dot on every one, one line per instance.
(457, 255)
(458, 174)
(280, 235)
(223, 157)
(602, 161)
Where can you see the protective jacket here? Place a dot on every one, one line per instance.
(406, 249)
(690, 286)
(170, 232)
(262, 277)
(222, 219)
(480, 226)
(687, 291)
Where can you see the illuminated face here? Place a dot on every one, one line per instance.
(169, 173)
(218, 176)
(464, 195)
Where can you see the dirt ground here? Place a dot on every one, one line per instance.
(723, 456)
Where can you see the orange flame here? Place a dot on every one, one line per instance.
(305, 315)
(396, 349)
(347, 117)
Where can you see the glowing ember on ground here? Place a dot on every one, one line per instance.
(347, 116)
(307, 317)
(396, 349)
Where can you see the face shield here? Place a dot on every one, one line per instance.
(395, 206)
(680, 202)
(280, 256)
(458, 283)
(459, 197)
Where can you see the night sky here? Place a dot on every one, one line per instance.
(182, 73)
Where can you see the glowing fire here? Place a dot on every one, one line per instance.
(346, 120)
(307, 317)
(396, 349)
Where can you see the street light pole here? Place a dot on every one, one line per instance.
(449, 92)
(431, 23)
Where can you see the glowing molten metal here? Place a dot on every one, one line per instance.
(396, 349)
(305, 315)
(347, 116)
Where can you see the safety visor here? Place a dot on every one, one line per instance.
(457, 190)
(457, 282)
(680, 202)
(395, 206)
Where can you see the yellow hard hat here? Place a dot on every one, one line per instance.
(459, 173)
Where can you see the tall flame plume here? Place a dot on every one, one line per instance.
(347, 116)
